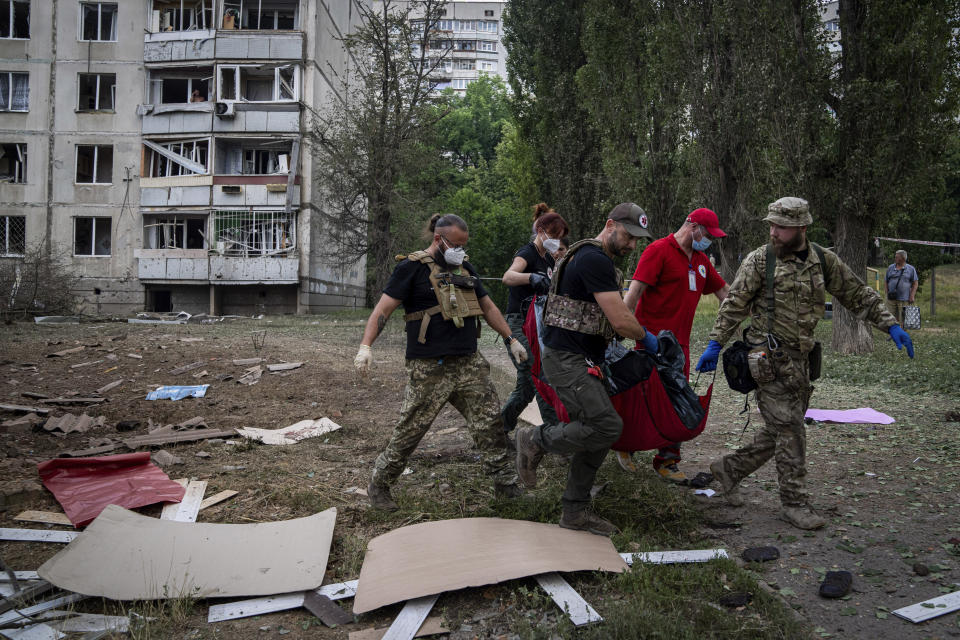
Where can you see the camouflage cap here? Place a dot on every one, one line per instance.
(789, 212)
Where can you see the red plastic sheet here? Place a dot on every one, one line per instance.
(85, 486)
(649, 420)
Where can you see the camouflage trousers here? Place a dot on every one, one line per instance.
(782, 404)
(464, 382)
(525, 390)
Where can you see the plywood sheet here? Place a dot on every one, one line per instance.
(123, 555)
(433, 557)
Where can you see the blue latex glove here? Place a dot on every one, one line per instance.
(708, 361)
(650, 343)
(902, 339)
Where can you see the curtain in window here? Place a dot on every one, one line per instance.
(21, 92)
(4, 91)
(108, 22)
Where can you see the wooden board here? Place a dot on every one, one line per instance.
(324, 608)
(38, 535)
(21, 575)
(432, 626)
(932, 608)
(186, 510)
(22, 614)
(18, 408)
(408, 621)
(198, 434)
(217, 498)
(569, 601)
(47, 517)
(281, 602)
(672, 557)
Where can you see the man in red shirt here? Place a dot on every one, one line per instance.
(672, 274)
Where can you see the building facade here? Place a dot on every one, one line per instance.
(160, 146)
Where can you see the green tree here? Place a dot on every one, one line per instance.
(473, 125)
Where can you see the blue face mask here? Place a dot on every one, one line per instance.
(701, 245)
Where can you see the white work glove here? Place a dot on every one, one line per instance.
(517, 350)
(363, 360)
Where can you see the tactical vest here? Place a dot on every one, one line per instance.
(456, 296)
(568, 313)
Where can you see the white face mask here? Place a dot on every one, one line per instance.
(453, 256)
(551, 245)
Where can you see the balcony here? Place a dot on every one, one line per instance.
(259, 45)
(153, 267)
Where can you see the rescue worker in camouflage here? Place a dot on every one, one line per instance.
(781, 348)
(442, 361)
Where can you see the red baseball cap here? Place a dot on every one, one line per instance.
(708, 219)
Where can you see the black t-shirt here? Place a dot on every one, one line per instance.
(589, 271)
(410, 283)
(535, 264)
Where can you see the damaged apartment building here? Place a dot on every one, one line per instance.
(160, 146)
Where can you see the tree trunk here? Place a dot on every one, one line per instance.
(851, 335)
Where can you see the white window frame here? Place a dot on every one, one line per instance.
(487, 65)
(9, 105)
(99, 6)
(244, 5)
(93, 237)
(276, 83)
(113, 92)
(172, 226)
(96, 161)
(456, 82)
(5, 251)
(194, 156)
(487, 45)
(192, 12)
(11, 4)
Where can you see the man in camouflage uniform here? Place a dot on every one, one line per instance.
(443, 364)
(781, 352)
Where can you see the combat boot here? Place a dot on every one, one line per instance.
(512, 490)
(670, 471)
(731, 487)
(380, 498)
(802, 517)
(625, 460)
(529, 455)
(586, 520)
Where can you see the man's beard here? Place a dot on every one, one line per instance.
(793, 246)
(610, 245)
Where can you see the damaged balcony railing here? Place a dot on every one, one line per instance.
(254, 233)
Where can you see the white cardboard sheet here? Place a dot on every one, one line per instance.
(291, 434)
(123, 555)
(433, 557)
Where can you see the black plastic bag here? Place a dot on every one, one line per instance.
(625, 368)
(670, 362)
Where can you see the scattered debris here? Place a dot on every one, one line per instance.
(185, 368)
(709, 493)
(112, 385)
(674, 557)
(38, 535)
(291, 434)
(569, 601)
(217, 498)
(246, 362)
(251, 376)
(432, 626)
(178, 392)
(202, 454)
(84, 486)
(284, 366)
(836, 584)
(66, 352)
(17, 408)
(196, 422)
(164, 458)
(168, 438)
(157, 559)
(46, 517)
(56, 320)
(69, 423)
(760, 554)
(85, 364)
(73, 400)
(186, 509)
(128, 425)
(281, 602)
(33, 395)
(191, 339)
(324, 608)
(736, 599)
(701, 480)
(92, 451)
(932, 608)
(864, 415)
(90, 622)
(135, 356)
(29, 420)
(201, 374)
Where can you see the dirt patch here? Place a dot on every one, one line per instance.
(880, 525)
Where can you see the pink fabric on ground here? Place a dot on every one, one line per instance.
(85, 486)
(864, 415)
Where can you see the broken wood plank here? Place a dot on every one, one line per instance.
(18, 408)
(408, 621)
(186, 510)
(66, 352)
(109, 386)
(280, 602)
(186, 367)
(25, 614)
(20, 575)
(284, 366)
(189, 436)
(37, 535)
(569, 601)
(59, 401)
(85, 364)
(432, 626)
(246, 362)
(324, 608)
(33, 395)
(46, 517)
(671, 557)
(217, 498)
(932, 608)
(92, 451)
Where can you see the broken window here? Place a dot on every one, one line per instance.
(267, 15)
(91, 236)
(98, 21)
(176, 158)
(253, 157)
(94, 164)
(97, 91)
(174, 232)
(14, 91)
(259, 83)
(15, 19)
(187, 86)
(254, 233)
(13, 235)
(182, 15)
(13, 162)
